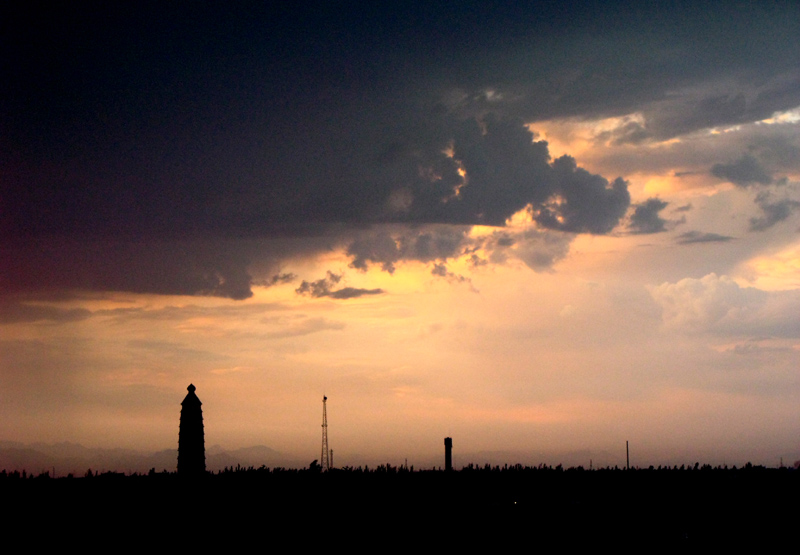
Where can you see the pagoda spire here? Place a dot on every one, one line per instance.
(191, 441)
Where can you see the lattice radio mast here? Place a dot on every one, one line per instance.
(325, 459)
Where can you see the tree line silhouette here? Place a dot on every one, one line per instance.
(698, 504)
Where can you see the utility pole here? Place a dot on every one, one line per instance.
(325, 460)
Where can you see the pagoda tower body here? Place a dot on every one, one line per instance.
(191, 442)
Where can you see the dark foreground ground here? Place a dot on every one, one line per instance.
(391, 509)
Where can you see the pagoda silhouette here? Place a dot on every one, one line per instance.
(191, 442)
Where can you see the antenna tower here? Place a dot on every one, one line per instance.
(325, 460)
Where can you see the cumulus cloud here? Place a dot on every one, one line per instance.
(718, 304)
(482, 170)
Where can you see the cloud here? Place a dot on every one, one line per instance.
(440, 269)
(629, 132)
(352, 293)
(422, 245)
(449, 171)
(275, 280)
(645, 218)
(719, 305)
(700, 111)
(582, 202)
(13, 312)
(754, 346)
(324, 288)
(309, 123)
(211, 267)
(773, 146)
(691, 237)
(777, 146)
(743, 172)
(538, 250)
(305, 326)
(774, 211)
(481, 170)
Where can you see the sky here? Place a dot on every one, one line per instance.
(540, 228)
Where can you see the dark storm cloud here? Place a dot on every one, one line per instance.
(691, 237)
(743, 172)
(217, 268)
(325, 288)
(222, 128)
(683, 66)
(129, 129)
(775, 211)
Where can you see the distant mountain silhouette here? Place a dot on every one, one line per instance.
(256, 456)
(66, 458)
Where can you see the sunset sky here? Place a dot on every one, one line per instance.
(542, 229)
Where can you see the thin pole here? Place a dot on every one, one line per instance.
(326, 454)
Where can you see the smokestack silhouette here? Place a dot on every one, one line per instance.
(448, 453)
(191, 442)
(627, 456)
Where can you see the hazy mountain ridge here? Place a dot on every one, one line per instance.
(72, 458)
